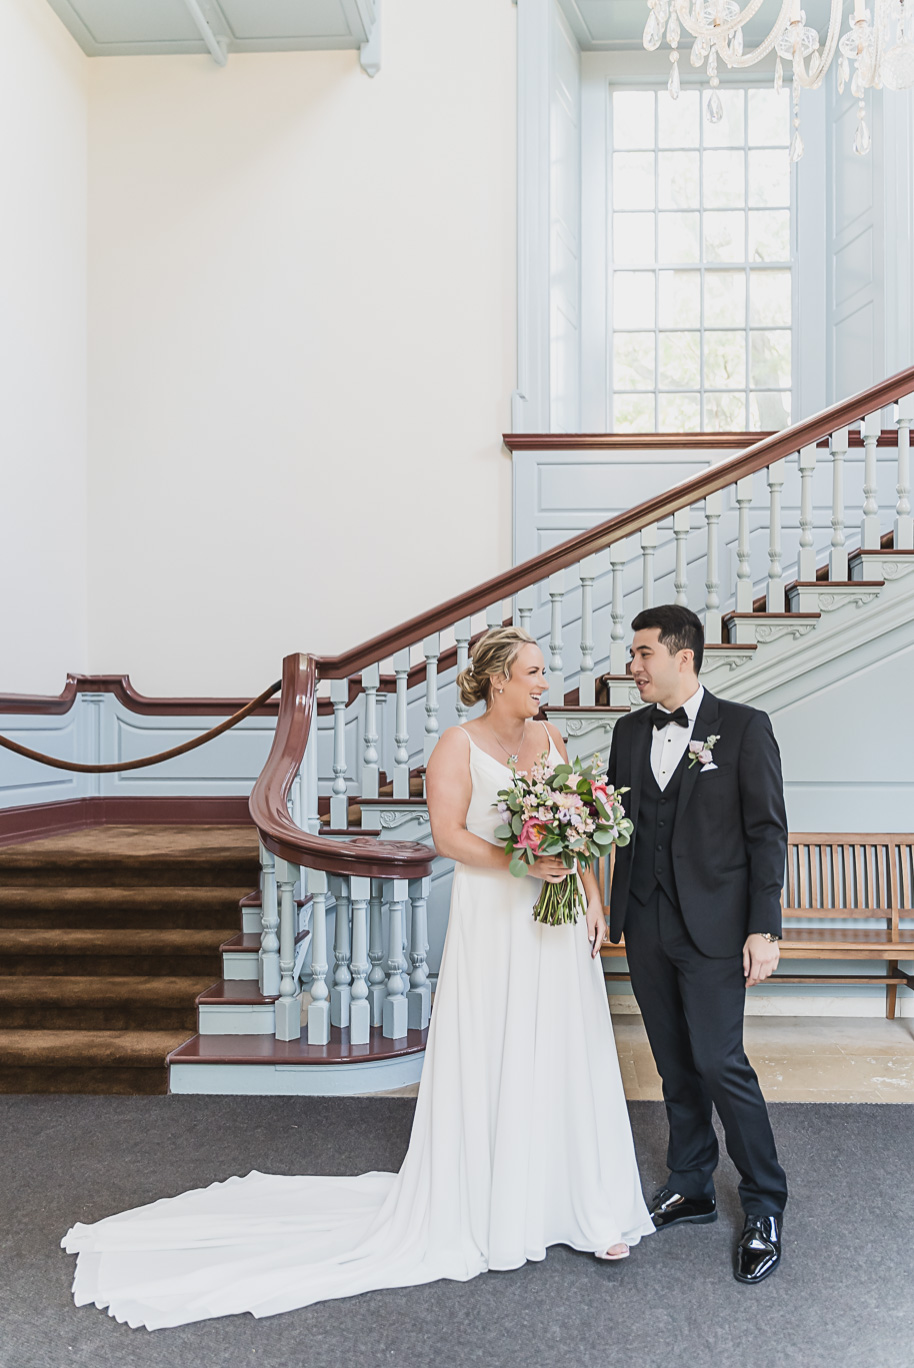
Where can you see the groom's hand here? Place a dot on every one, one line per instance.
(760, 959)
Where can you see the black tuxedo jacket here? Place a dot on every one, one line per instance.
(729, 843)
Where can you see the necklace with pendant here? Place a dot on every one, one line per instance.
(512, 758)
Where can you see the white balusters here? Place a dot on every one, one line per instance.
(462, 633)
(494, 615)
(371, 679)
(269, 917)
(682, 524)
(713, 509)
(431, 649)
(401, 730)
(648, 547)
(904, 523)
(617, 644)
(556, 664)
(587, 572)
(774, 598)
(319, 1007)
(288, 1004)
(837, 557)
(744, 593)
(523, 607)
(339, 798)
(806, 557)
(869, 528)
(419, 997)
(377, 979)
(396, 1013)
(359, 1005)
(341, 992)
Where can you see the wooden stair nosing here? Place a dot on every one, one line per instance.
(266, 1049)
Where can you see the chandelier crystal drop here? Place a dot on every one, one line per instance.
(876, 50)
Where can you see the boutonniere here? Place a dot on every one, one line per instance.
(700, 753)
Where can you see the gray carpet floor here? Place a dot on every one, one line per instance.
(844, 1295)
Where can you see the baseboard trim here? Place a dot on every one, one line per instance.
(38, 820)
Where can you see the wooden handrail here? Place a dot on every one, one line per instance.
(50, 705)
(756, 457)
(362, 855)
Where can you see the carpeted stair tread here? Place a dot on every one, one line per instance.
(98, 1049)
(87, 904)
(159, 992)
(137, 855)
(126, 943)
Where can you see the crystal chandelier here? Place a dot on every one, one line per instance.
(879, 46)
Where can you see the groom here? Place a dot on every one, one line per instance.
(697, 893)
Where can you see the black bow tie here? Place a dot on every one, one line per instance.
(663, 719)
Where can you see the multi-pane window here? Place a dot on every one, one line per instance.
(701, 279)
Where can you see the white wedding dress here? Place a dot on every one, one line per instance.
(521, 1140)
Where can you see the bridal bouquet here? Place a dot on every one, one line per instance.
(570, 812)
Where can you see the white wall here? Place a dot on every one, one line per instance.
(301, 332)
(43, 114)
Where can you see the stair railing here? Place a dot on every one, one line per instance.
(678, 540)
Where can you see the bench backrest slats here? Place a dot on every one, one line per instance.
(849, 874)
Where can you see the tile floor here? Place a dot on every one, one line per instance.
(797, 1059)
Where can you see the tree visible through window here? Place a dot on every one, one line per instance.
(700, 251)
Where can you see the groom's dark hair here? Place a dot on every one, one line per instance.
(680, 629)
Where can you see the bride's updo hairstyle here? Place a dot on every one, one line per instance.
(492, 656)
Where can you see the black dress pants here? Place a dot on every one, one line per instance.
(693, 1008)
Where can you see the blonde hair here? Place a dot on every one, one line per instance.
(494, 654)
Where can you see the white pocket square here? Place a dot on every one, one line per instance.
(709, 766)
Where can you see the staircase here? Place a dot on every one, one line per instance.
(106, 938)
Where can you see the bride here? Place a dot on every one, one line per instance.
(521, 1137)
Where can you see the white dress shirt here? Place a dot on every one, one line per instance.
(669, 744)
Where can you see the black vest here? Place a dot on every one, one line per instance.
(652, 857)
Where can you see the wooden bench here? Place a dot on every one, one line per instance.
(853, 876)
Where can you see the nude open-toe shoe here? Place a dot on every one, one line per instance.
(622, 1252)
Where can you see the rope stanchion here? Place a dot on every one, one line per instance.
(185, 746)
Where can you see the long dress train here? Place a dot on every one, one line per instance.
(520, 1140)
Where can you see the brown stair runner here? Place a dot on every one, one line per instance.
(107, 936)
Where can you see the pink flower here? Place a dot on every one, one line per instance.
(697, 748)
(601, 791)
(531, 835)
(705, 756)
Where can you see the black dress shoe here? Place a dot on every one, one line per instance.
(670, 1208)
(759, 1250)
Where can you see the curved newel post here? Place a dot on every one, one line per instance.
(371, 679)
(419, 997)
(340, 993)
(339, 798)
(359, 1006)
(774, 598)
(682, 525)
(431, 649)
(870, 532)
(319, 1007)
(837, 556)
(396, 1013)
(806, 556)
(714, 504)
(556, 672)
(524, 600)
(288, 1004)
(401, 728)
(269, 919)
(904, 523)
(587, 573)
(462, 633)
(617, 660)
(377, 979)
(648, 547)
(743, 549)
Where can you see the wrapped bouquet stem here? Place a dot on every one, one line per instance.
(569, 812)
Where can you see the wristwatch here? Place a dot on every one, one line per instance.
(767, 935)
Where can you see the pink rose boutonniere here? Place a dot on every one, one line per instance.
(700, 753)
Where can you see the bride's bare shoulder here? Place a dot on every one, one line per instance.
(452, 745)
